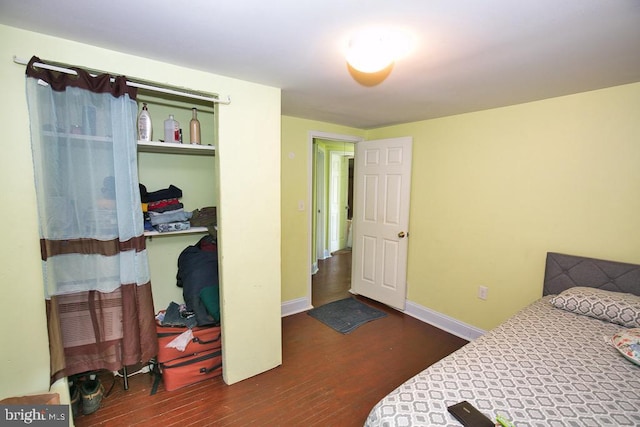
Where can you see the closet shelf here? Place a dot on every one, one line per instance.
(176, 148)
(77, 136)
(192, 230)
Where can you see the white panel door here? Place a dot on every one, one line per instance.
(381, 220)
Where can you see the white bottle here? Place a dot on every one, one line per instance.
(171, 130)
(145, 129)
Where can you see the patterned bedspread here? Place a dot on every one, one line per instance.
(543, 367)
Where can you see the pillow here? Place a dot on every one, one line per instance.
(614, 307)
(628, 343)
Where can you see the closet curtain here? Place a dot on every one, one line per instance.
(98, 299)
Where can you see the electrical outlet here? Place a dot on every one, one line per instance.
(483, 291)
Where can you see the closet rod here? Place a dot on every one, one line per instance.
(131, 83)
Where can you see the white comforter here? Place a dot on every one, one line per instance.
(543, 367)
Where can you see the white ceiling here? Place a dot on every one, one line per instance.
(471, 54)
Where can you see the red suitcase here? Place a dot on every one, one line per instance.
(204, 338)
(191, 369)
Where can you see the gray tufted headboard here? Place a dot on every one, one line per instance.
(566, 271)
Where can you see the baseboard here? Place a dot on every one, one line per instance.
(444, 322)
(427, 315)
(295, 306)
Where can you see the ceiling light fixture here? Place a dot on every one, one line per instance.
(374, 49)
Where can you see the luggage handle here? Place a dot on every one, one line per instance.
(191, 361)
(194, 339)
(206, 371)
(199, 341)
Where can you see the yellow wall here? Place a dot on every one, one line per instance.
(493, 191)
(296, 173)
(248, 165)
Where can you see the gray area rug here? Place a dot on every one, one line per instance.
(345, 315)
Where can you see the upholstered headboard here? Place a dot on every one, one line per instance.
(566, 271)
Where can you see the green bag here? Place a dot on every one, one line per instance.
(210, 297)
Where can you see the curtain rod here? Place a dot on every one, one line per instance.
(132, 83)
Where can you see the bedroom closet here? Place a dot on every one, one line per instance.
(98, 290)
(232, 169)
(189, 167)
(244, 171)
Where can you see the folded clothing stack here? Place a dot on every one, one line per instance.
(163, 211)
(205, 217)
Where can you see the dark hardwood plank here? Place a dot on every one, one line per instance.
(326, 378)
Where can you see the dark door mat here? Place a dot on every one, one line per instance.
(346, 315)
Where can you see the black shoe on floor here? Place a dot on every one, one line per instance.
(92, 392)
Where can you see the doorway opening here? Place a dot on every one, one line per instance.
(331, 193)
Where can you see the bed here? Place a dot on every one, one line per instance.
(545, 366)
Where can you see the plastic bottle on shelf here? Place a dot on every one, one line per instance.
(194, 127)
(171, 130)
(145, 129)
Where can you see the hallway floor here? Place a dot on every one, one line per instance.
(333, 279)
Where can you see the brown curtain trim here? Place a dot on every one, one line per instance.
(99, 84)
(138, 342)
(56, 349)
(49, 248)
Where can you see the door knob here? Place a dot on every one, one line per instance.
(401, 234)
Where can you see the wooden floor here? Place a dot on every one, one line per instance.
(333, 279)
(326, 378)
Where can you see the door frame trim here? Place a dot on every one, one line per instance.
(319, 198)
(311, 135)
